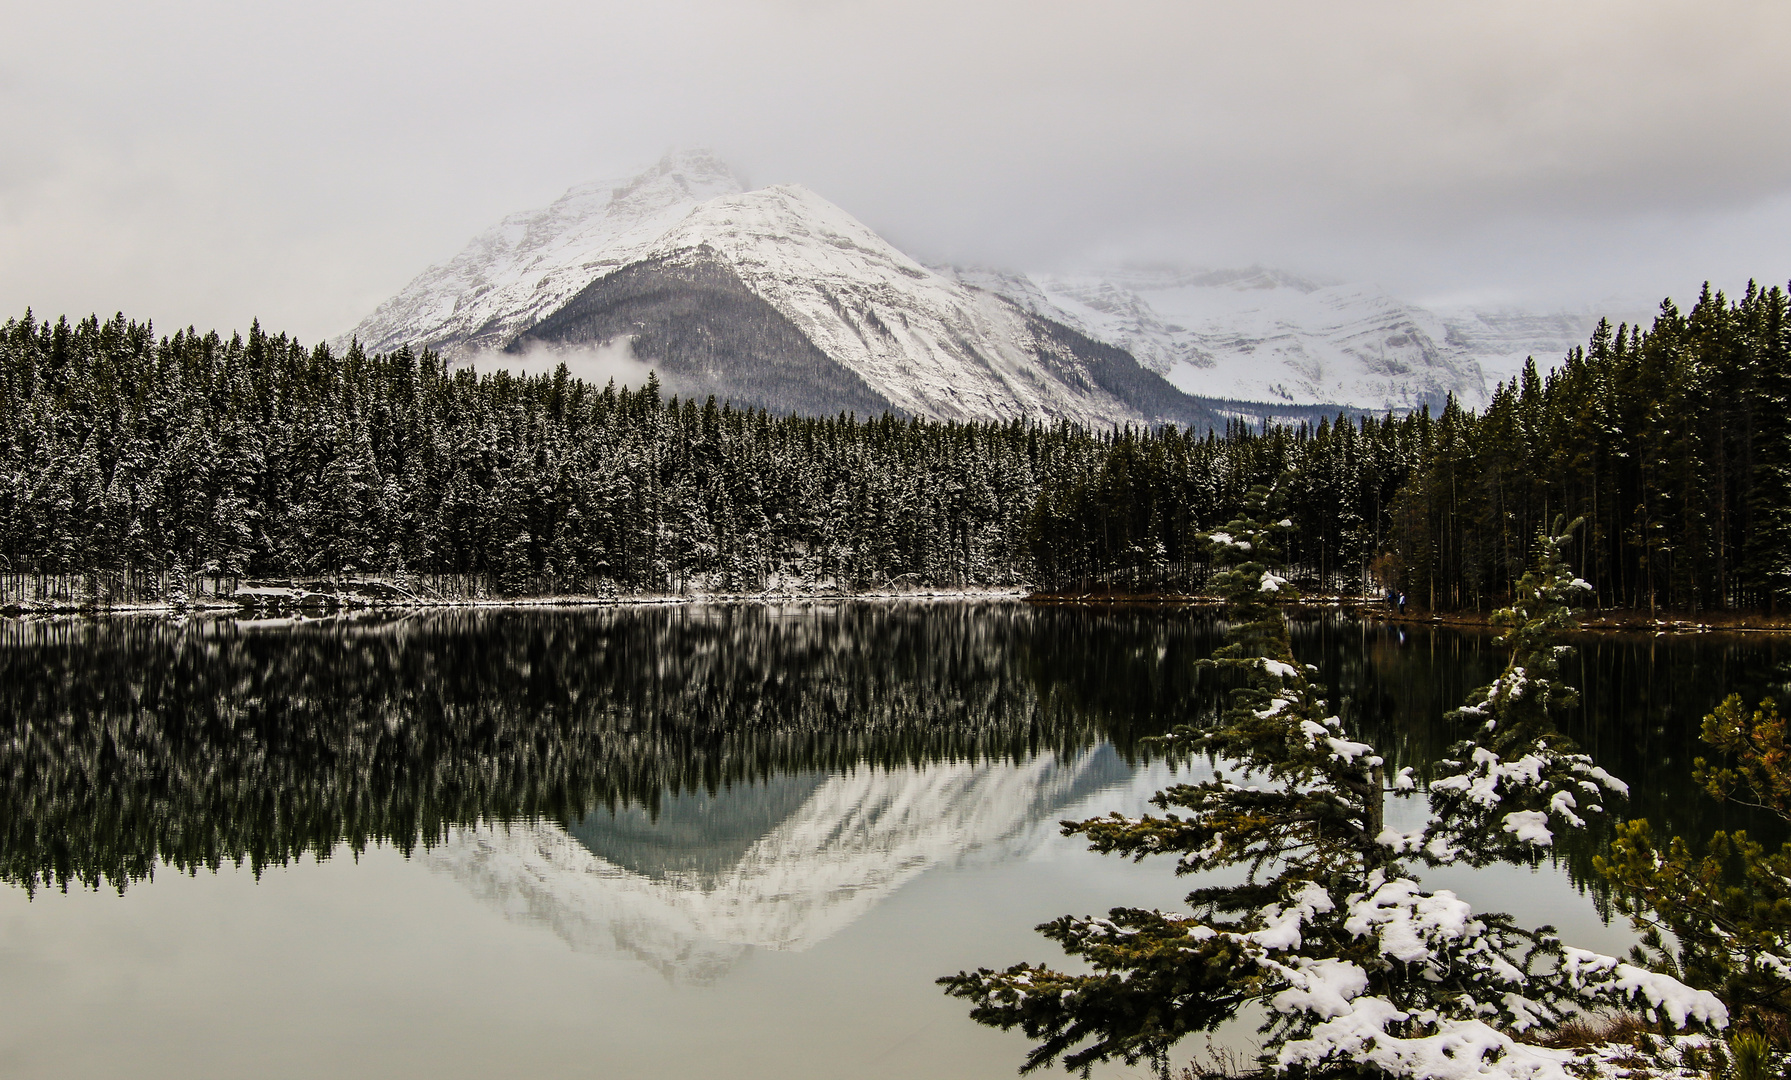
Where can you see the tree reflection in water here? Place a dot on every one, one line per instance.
(672, 742)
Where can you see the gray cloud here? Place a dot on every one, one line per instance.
(209, 162)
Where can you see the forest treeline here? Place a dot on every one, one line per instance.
(129, 461)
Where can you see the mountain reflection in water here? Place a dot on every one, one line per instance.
(138, 744)
(780, 865)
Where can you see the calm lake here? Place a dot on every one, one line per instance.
(733, 841)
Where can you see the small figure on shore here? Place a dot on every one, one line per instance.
(1402, 603)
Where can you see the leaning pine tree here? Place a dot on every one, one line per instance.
(1358, 968)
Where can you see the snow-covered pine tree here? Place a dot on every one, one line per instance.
(1516, 780)
(178, 595)
(1359, 969)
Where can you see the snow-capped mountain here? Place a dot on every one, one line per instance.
(690, 897)
(1264, 335)
(773, 297)
(777, 298)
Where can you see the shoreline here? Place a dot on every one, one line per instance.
(330, 605)
(313, 605)
(1605, 620)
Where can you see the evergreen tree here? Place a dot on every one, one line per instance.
(1358, 968)
(1516, 780)
(1768, 545)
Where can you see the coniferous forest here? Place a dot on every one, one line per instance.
(132, 464)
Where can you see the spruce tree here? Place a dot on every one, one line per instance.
(1516, 780)
(1768, 546)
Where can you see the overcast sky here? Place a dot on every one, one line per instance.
(207, 163)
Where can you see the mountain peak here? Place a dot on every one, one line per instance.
(510, 275)
(680, 176)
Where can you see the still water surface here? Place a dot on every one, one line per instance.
(734, 841)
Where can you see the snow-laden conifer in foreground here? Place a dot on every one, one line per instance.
(1355, 964)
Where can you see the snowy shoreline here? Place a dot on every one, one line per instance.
(258, 603)
(261, 603)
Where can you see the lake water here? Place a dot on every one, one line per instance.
(704, 840)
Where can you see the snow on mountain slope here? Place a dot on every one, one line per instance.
(777, 298)
(1264, 335)
(852, 843)
(1502, 339)
(753, 295)
(531, 263)
(928, 345)
(1258, 335)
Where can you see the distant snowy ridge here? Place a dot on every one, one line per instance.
(1265, 335)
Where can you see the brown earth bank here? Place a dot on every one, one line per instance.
(1608, 619)
(1621, 619)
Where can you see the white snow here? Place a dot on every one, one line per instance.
(1530, 826)
(1610, 976)
(1460, 1049)
(531, 263)
(1597, 773)
(1283, 923)
(1408, 921)
(1323, 987)
(1274, 709)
